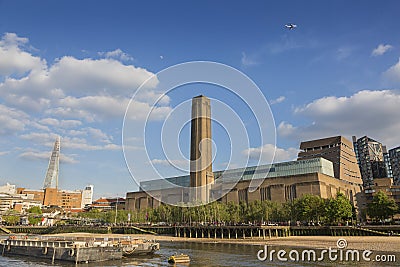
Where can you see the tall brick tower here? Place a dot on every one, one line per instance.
(201, 175)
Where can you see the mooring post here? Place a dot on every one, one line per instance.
(4, 246)
(54, 255)
(77, 255)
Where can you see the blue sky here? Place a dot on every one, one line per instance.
(70, 68)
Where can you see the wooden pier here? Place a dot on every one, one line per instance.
(232, 232)
(216, 231)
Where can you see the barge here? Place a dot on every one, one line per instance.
(76, 250)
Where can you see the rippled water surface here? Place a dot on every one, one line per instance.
(209, 254)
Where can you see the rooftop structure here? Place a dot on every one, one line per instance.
(315, 165)
(339, 151)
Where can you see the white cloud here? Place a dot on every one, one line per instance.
(278, 100)
(171, 162)
(47, 139)
(35, 155)
(98, 135)
(286, 129)
(97, 108)
(372, 113)
(343, 52)
(381, 49)
(70, 123)
(117, 54)
(393, 73)
(270, 151)
(246, 61)
(74, 88)
(65, 124)
(82, 144)
(13, 59)
(2, 153)
(89, 76)
(12, 120)
(50, 121)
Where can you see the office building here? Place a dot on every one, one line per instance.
(394, 155)
(339, 151)
(370, 156)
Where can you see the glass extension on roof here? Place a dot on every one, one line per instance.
(290, 168)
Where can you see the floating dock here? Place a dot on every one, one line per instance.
(75, 249)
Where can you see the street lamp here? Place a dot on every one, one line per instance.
(116, 211)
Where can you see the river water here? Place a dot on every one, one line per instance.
(201, 254)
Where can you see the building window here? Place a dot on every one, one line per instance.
(265, 193)
(242, 194)
(290, 192)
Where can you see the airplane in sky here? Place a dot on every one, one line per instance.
(290, 26)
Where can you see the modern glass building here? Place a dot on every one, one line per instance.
(370, 157)
(394, 155)
(290, 168)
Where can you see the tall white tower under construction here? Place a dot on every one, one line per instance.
(52, 170)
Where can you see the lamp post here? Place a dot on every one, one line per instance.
(116, 211)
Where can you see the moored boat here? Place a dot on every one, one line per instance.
(133, 247)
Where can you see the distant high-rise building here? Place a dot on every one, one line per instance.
(370, 157)
(394, 155)
(339, 151)
(53, 168)
(87, 196)
(201, 175)
(388, 164)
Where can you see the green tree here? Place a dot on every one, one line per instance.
(266, 212)
(234, 212)
(278, 212)
(34, 210)
(309, 208)
(34, 219)
(382, 207)
(338, 209)
(11, 219)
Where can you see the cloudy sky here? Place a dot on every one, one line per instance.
(70, 68)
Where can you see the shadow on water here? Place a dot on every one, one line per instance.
(201, 254)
